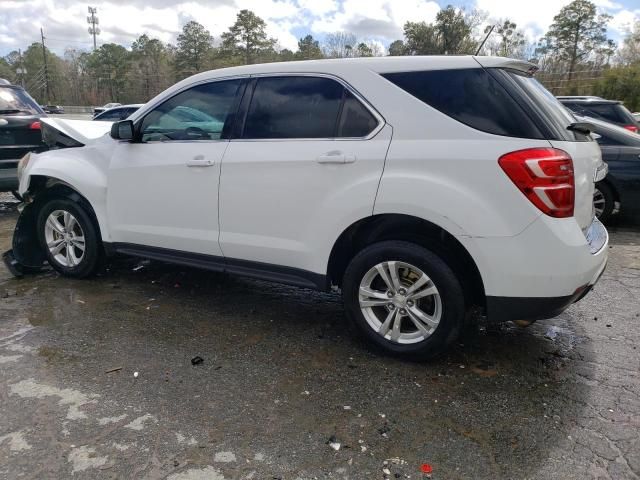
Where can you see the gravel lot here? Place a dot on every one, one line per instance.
(282, 376)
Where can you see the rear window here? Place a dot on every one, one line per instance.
(15, 101)
(471, 96)
(612, 112)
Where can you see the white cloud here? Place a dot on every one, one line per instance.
(121, 21)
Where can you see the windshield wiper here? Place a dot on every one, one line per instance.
(582, 127)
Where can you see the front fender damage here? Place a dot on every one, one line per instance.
(27, 255)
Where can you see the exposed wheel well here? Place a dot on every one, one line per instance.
(405, 227)
(43, 188)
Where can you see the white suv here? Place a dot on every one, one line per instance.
(419, 186)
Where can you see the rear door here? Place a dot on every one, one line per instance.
(310, 153)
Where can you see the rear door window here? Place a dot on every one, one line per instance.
(294, 107)
(355, 119)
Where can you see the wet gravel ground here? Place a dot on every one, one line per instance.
(281, 376)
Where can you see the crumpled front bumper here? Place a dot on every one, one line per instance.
(27, 255)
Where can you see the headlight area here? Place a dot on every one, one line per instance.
(22, 164)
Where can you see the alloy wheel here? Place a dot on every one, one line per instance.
(400, 302)
(65, 238)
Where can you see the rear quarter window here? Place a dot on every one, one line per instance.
(470, 96)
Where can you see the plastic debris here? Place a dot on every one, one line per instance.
(334, 443)
(135, 374)
(552, 332)
(347, 407)
(426, 468)
(197, 360)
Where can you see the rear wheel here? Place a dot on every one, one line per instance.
(69, 238)
(404, 299)
(603, 201)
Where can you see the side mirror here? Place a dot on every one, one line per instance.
(122, 130)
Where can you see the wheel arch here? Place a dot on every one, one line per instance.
(387, 226)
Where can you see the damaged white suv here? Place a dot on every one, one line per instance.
(419, 186)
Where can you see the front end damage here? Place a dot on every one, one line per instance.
(27, 254)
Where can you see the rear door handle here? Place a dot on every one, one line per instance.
(199, 161)
(337, 157)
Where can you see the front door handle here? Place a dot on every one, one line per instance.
(199, 161)
(336, 157)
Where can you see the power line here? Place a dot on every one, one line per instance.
(46, 71)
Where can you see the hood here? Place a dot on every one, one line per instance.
(82, 131)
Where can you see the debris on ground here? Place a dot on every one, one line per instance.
(135, 374)
(113, 370)
(552, 332)
(334, 443)
(197, 360)
(384, 430)
(141, 265)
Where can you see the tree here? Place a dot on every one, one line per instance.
(621, 83)
(454, 27)
(397, 48)
(630, 50)
(247, 38)
(151, 63)
(506, 40)
(308, 49)
(109, 65)
(6, 71)
(576, 33)
(193, 50)
(421, 38)
(339, 45)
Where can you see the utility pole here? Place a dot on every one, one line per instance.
(46, 70)
(93, 20)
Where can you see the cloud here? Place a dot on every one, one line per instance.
(121, 21)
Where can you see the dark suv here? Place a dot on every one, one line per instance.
(612, 111)
(19, 131)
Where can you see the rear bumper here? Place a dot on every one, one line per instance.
(542, 271)
(503, 309)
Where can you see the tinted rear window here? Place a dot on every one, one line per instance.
(294, 107)
(17, 101)
(471, 96)
(612, 112)
(355, 119)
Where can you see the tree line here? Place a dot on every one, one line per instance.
(575, 56)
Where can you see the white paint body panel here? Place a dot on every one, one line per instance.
(278, 205)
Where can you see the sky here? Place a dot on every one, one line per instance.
(122, 21)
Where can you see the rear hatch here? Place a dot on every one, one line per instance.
(554, 121)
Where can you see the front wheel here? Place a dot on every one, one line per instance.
(404, 299)
(69, 238)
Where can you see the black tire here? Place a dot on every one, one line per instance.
(16, 195)
(609, 200)
(449, 288)
(93, 256)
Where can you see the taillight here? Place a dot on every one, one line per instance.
(631, 128)
(35, 126)
(545, 176)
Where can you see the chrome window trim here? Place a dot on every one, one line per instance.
(380, 119)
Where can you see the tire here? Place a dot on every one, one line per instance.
(603, 201)
(70, 261)
(413, 263)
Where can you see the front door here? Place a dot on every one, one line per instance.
(163, 188)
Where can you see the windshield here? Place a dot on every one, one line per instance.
(17, 101)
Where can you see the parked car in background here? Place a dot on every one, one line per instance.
(106, 106)
(118, 113)
(19, 131)
(621, 151)
(324, 174)
(637, 116)
(54, 109)
(611, 111)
